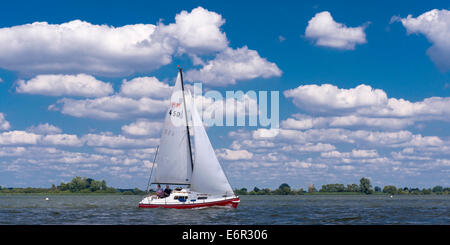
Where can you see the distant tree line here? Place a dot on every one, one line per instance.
(364, 187)
(88, 185)
(77, 185)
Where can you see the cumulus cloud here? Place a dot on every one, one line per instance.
(232, 65)
(143, 127)
(362, 105)
(79, 46)
(4, 125)
(145, 87)
(110, 107)
(356, 153)
(44, 129)
(18, 137)
(435, 25)
(402, 138)
(308, 147)
(65, 85)
(324, 31)
(197, 32)
(327, 97)
(233, 155)
(307, 122)
(117, 141)
(62, 140)
(130, 103)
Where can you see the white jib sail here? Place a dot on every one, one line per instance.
(173, 162)
(207, 176)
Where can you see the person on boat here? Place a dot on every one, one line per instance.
(167, 191)
(160, 192)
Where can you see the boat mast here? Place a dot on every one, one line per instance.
(187, 124)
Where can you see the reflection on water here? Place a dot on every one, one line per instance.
(113, 209)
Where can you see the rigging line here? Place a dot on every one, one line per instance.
(151, 173)
(186, 116)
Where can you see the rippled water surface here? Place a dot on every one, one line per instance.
(261, 210)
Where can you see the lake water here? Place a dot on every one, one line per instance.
(253, 210)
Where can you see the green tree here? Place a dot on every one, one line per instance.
(242, 191)
(353, 188)
(437, 189)
(365, 186)
(284, 189)
(266, 191)
(77, 184)
(104, 187)
(390, 189)
(377, 189)
(95, 185)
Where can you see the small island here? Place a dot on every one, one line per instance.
(83, 185)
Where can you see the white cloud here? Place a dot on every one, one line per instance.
(109, 151)
(307, 122)
(233, 155)
(362, 105)
(4, 125)
(143, 127)
(62, 140)
(327, 97)
(326, 32)
(304, 164)
(232, 65)
(344, 167)
(402, 138)
(111, 107)
(44, 129)
(335, 154)
(145, 87)
(19, 138)
(79, 46)
(364, 153)
(308, 147)
(65, 85)
(432, 108)
(117, 141)
(30, 138)
(197, 31)
(1, 80)
(435, 25)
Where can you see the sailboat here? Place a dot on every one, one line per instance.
(198, 174)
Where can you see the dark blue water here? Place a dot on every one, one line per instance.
(257, 210)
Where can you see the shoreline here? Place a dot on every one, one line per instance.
(304, 194)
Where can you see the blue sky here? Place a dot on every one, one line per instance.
(364, 89)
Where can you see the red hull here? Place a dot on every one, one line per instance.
(230, 202)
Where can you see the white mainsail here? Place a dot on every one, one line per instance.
(173, 161)
(207, 176)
